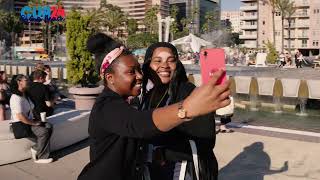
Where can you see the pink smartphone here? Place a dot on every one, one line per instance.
(211, 60)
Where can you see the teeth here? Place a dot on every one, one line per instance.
(164, 73)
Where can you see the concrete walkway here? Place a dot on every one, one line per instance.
(241, 156)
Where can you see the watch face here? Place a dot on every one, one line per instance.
(182, 114)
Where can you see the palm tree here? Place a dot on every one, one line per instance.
(151, 21)
(107, 16)
(284, 6)
(11, 23)
(174, 10)
(289, 13)
(132, 26)
(273, 4)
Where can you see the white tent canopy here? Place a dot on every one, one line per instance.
(193, 41)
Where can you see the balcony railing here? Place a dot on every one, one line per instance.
(252, 17)
(249, 27)
(249, 8)
(302, 3)
(248, 36)
(303, 14)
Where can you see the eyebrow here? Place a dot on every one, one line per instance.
(160, 57)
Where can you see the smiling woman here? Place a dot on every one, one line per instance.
(117, 130)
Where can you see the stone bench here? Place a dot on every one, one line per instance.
(69, 127)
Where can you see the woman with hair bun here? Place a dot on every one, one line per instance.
(117, 131)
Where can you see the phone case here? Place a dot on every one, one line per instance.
(212, 60)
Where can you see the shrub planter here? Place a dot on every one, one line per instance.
(85, 97)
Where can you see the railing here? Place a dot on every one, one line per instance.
(252, 17)
(249, 8)
(249, 36)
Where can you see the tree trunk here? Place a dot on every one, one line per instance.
(13, 45)
(274, 28)
(289, 36)
(49, 41)
(30, 34)
(282, 35)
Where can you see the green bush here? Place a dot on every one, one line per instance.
(142, 40)
(81, 66)
(272, 53)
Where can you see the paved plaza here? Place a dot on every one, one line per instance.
(241, 156)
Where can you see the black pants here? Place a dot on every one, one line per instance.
(225, 120)
(43, 134)
(299, 64)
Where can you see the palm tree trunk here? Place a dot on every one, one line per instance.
(282, 35)
(30, 33)
(13, 45)
(274, 28)
(289, 36)
(49, 41)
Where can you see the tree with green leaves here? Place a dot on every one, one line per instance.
(142, 40)
(289, 13)
(132, 26)
(185, 22)
(211, 22)
(81, 66)
(174, 10)
(272, 53)
(151, 21)
(107, 16)
(11, 23)
(285, 7)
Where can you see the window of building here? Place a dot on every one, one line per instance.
(278, 14)
(316, 11)
(263, 22)
(315, 43)
(304, 42)
(263, 32)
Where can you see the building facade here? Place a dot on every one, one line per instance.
(256, 26)
(196, 10)
(232, 17)
(136, 9)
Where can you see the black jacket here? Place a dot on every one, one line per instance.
(115, 129)
(175, 143)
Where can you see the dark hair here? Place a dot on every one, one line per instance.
(1, 73)
(37, 74)
(100, 45)
(14, 87)
(179, 75)
(47, 67)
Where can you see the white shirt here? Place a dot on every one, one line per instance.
(20, 104)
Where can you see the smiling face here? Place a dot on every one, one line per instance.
(126, 78)
(163, 62)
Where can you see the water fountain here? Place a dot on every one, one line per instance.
(277, 105)
(302, 107)
(254, 94)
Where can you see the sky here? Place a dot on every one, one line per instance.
(230, 4)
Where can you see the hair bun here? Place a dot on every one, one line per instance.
(99, 43)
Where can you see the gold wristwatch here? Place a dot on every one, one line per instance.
(182, 113)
